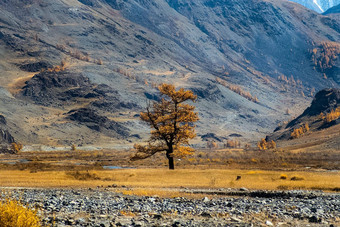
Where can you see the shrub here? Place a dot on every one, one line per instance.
(254, 160)
(283, 176)
(238, 90)
(73, 147)
(264, 145)
(333, 115)
(12, 213)
(16, 147)
(299, 131)
(325, 56)
(83, 176)
(212, 144)
(232, 144)
(296, 178)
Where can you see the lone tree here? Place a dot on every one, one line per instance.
(171, 123)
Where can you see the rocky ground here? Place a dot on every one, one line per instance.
(103, 207)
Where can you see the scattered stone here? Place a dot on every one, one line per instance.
(206, 215)
(315, 219)
(206, 199)
(235, 219)
(107, 208)
(269, 223)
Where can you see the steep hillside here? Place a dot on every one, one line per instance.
(317, 125)
(319, 6)
(335, 9)
(79, 72)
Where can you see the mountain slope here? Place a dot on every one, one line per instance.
(232, 54)
(317, 127)
(319, 6)
(334, 9)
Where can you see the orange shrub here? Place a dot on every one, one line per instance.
(12, 213)
(264, 145)
(333, 115)
(300, 131)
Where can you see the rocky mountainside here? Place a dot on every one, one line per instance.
(319, 6)
(324, 112)
(79, 72)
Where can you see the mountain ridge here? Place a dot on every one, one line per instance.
(225, 53)
(319, 6)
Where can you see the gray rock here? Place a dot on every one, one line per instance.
(206, 199)
(269, 223)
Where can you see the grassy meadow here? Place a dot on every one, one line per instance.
(152, 179)
(211, 169)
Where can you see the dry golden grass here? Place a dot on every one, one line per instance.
(16, 86)
(14, 214)
(161, 178)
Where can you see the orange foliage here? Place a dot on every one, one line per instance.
(264, 145)
(325, 56)
(212, 144)
(232, 144)
(237, 90)
(125, 73)
(333, 115)
(322, 116)
(57, 68)
(300, 131)
(172, 125)
(16, 147)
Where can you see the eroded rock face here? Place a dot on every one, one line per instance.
(6, 137)
(99, 123)
(51, 88)
(35, 67)
(324, 102)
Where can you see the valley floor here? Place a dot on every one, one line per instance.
(227, 187)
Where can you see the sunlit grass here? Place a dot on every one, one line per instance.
(14, 214)
(162, 178)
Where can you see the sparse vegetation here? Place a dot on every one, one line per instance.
(333, 115)
(73, 147)
(232, 144)
(297, 178)
(83, 176)
(80, 55)
(264, 145)
(125, 72)
(16, 147)
(283, 177)
(14, 214)
(238, 90)
(212, 144)
(300, 131)
(57, 68)
(98, 61)
(325, 56)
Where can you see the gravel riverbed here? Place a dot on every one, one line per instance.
(103, 207)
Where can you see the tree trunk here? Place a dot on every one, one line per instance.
(171, 163)
(170, 158)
